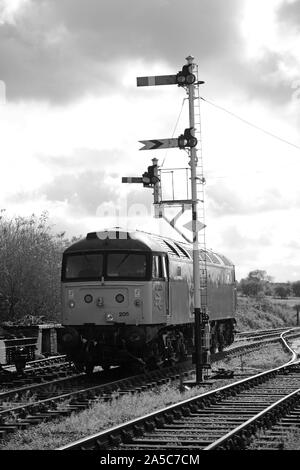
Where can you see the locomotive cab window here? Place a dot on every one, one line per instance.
(126, 266)
(159, 269)
(156, 267)
(83, 266)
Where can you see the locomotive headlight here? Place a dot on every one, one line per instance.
(120, 298)
(137, 302)
(71, 304)
(88, 298)
(109, 317)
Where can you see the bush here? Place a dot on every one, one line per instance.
(296, 288)
(282, 291)
(30, 264)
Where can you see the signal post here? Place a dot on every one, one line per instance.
(185, 78)
(196, 259)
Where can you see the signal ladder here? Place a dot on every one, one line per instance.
(200, 197)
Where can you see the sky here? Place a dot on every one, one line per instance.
(71, 117)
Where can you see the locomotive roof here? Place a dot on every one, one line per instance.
(118, 239)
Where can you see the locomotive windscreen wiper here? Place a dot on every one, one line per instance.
(123, 260)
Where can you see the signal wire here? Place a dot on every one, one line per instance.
(179, 115)
(250, 123)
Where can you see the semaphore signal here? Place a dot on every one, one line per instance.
(187, 79)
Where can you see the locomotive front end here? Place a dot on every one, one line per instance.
(105, 299)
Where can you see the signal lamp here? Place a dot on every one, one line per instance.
(146, 179)
(190, 79)
(149, 177)
(185, 76)
(187, 139)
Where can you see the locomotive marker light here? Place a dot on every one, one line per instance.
(120, 298)
(88, 298)
(186, 78)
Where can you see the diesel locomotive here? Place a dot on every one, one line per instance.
(127, 298)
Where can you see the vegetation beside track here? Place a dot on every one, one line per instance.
(264, 312)
(291, 441)
(102, 415)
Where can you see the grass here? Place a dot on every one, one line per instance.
(292, 441)
(102, 415)
(262, 359)
(288, 441)
(265, 312)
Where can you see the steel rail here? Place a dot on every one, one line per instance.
(235, 433)
(41, 409)
(35, 387)
(113, 436)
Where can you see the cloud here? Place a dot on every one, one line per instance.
(62, 50)
(59, 50)
(288, 14)
(222, 200)
(82, 158)
(238, 242)
(83, 192)
(294, 244)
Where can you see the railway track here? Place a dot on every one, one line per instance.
(260, 334)
(30, 404)
(225, 418)
(37, 371)
(55, 371)
(78, 397)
